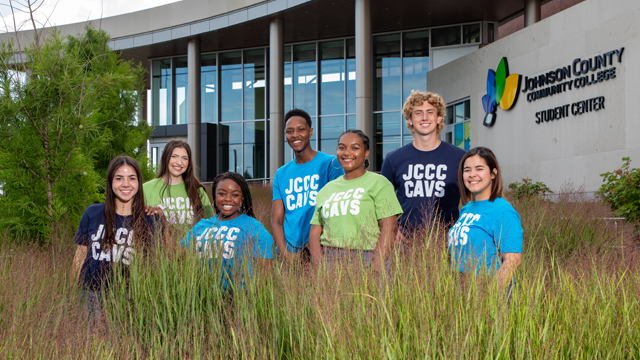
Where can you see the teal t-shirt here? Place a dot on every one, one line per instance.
(349, 210)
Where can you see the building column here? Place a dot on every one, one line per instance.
(364, 75)
(193, 102)
(276, 96)
(531, 12)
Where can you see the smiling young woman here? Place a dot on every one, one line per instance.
(111, 233)
(487, 238)
(355, 215)
(176, 192)
(234, 234)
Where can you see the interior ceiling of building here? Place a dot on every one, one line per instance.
(326, 19)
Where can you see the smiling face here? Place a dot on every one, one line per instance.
(351, 154)
(425, 119)
(478, 178)
(178, 163)
(229, 199)
(124, 185)
(298, 133)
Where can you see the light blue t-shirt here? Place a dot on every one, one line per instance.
(225, 244)
(297, 185)
(484, 230)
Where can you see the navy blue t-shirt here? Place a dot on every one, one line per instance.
(97, 265)
(425, 182)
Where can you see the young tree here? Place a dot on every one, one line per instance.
(67, 106)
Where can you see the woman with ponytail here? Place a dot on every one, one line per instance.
(356, 214)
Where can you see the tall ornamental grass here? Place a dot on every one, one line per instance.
(577, 296)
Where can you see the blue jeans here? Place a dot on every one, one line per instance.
(336, 256)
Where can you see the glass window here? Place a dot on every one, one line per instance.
(304, 77)
(415, 62)
(288, 153)
(287, 79)
(446, 36)
(231, 147)
(467, 109)
(351, 122)
(351, 76)
(181, 90)
(459, 135)
(467, 135)
(331, 127)
(231, 86)
(459, 112)
(448, 118)
(388, 72)
(161, 92)
(254, 149)
(471, 34)
(208, 94)
(388, 124)
(384, 145)
(254, 84)
(332, 77)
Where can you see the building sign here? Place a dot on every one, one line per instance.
(579, 74)
(502, 90)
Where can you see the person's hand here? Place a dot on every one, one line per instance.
(153, 210)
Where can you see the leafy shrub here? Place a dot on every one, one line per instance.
(528, 189)
(621, 190)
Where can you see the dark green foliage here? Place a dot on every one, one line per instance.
(621, 190)
(67, 108)
(528, 189)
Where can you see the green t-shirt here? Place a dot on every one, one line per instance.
(177, 206)
(349, 210)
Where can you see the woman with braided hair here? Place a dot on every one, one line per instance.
(233, 234)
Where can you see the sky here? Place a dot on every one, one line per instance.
(61, 12)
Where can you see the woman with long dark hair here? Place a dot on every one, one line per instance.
(112, 232)
(487, 238)
(233, 234)
(176, 191)
(356, 214)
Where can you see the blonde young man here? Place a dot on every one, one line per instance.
(424, 173)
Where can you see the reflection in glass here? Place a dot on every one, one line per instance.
(449, 137)
(288, 153)
(304, 77)
(230, 154)
(331, 127)
(208, 96)
(181, 90)
(231, 86)
(161, 92)
(446, 36)
(351, 122)
(287, 78)
(329, 146)
(332, 77)
(384, 145)
(471, 34)
(388, 72)
(388, 124)
(254, 149)
(459, 112)
(254, 84)
(415, 62)
(351, 76)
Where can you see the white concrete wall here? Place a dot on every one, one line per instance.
(575, 149)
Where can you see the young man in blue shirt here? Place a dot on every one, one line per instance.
(424, 172)
(296, 186)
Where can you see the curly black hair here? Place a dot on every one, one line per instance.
(247, 203)
(298, 112)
